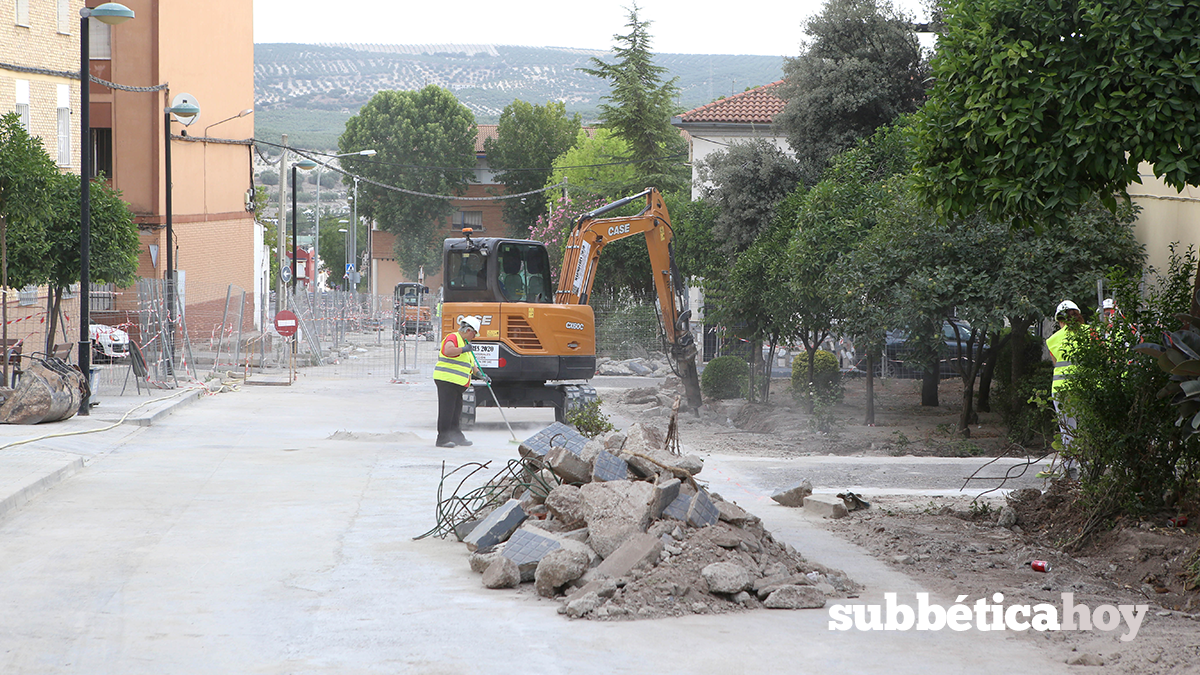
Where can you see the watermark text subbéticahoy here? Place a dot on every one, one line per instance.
(983, 616)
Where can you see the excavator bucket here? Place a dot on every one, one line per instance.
(50, 391)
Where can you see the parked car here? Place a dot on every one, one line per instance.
(900, 354)
(108, 342)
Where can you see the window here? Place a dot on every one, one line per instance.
(102, 153)
(28, 296)
(103, 297)
(467, 272)
(64, 125)
(64, 17)
(525, 273)
(471, 219)
(23, 103)
(23, 13)
(99, 40)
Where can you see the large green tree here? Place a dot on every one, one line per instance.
(593, 167)
(861, 68)
(528, 139)
(113, 255)
(1039, 105)
(425, 142)
(27, 176)
(746, 181)
(639, 109)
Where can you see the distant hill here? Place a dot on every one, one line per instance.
(309, 91)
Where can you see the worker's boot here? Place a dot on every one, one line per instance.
(445, 443)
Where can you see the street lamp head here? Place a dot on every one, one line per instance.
(247, 111)
(342, 229)
(305, 164)
(111, 13)
(185, 109)
(367, 153)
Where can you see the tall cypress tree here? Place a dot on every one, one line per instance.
(640, 106)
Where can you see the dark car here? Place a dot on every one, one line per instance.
(900, 355)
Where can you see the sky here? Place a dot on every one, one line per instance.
(679, 26)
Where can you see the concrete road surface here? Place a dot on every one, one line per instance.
(237, 536)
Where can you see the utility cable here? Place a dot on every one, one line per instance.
(92, 431)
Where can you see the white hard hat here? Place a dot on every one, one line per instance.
(473, 322)
(1064, 306)
(1109, 304)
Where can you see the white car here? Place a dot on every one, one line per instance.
(109, 342)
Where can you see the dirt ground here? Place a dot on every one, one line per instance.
(955, 546)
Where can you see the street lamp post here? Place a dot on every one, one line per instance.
(247, 111)
(346, 258)
(305, 164)
(186, 111)
(110, 13)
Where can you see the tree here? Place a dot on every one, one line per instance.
(1039, 105)
(425, 142)
(639, 109)
(861, 69)
(753, 300)
(27, 176)
(593, 166)
(746, 181)
(113, 255)
(528, 139)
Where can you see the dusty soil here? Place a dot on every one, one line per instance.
(955, 546)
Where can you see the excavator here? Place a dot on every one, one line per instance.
(537, 342)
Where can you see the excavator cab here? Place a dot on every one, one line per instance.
(497, 270)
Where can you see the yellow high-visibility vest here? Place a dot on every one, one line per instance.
(456, 369)
(1057, 344)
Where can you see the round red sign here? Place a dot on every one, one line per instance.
(286, 323)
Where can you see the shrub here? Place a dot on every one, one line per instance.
(725, 377)
(827, 377)
(589, 420)
(1128, 445)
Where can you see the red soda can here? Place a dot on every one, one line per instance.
(1040, 566)
(1177, 521)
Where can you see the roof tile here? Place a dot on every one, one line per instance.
(755, 106)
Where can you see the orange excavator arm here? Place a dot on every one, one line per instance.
(588, 238)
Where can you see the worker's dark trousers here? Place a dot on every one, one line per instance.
(449, 411)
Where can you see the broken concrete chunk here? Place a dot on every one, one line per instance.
(678, 509)
(665, 493)
(764, 587)
(614, 440)
(590, 450)
(566, 504)
(794, 495)
(583, 605)
(608, 466)
(639, 549)
(553, 436)
(731, 513)
(726, 577)
(702, 512)
(568, 466)
(557, 569)
(795, 597)
(615, 511)
(1008, 517)
(689, 463)
(497, 527)
(826, 506)
(464, 528)
(502, 573)
(640, 467)
(480, 561)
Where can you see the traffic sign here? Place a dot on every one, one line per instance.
(285, 273)
(286, 323)
(349, 270)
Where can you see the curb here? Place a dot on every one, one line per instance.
(160, 411)
(37, 487)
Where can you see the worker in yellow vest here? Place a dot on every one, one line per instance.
(1069, 319)
(452, 374)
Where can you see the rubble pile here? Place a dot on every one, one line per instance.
(626, 532)
(633, 367)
